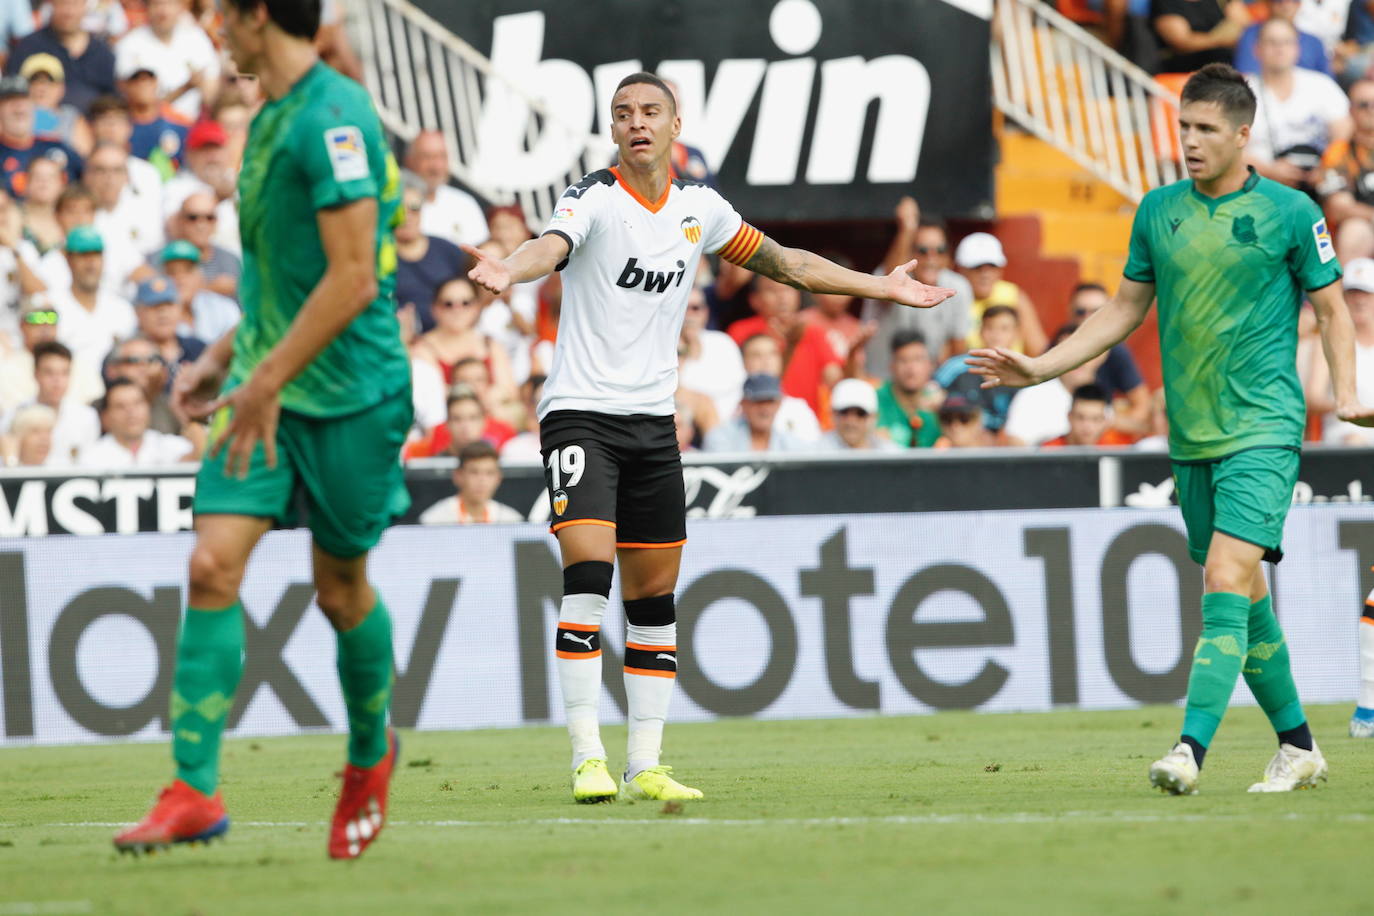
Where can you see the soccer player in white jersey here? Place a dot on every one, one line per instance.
(628, 240)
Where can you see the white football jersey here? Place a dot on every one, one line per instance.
(625, 287)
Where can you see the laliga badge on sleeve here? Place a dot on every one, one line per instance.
(346, 153)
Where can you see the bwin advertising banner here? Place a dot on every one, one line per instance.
(807, 616)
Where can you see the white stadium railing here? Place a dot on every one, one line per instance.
(422, 77)
(1060, 83)
(1050, 77)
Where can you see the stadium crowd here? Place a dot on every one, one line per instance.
(120, 140)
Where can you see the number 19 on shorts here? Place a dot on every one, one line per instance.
(569, 462)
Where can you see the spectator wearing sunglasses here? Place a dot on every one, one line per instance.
(854, 406)
(137, 360)
(423, 262)
(195, 222)
(159, 311)
(37, 326)
(944, 329)
(205, 314)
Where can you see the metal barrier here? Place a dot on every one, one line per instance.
(1069, 89)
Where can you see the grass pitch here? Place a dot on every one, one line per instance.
(959, 813)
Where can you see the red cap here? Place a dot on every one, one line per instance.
(206, 133)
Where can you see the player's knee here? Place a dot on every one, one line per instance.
(214, 578)
(1222, 574)
(345, 600)
(590, 577)
(658, 611)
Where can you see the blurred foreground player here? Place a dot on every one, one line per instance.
(1229, 255)
(316, 398)
(629, 240)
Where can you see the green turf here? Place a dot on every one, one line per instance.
(958, 813)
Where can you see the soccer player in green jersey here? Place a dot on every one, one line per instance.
(310, 394)
(1229, 255)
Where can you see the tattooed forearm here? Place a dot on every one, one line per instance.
(786, 265)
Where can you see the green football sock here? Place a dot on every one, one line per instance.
(365, 674)
(1267, 670)
(1216, 663)
(209, 662)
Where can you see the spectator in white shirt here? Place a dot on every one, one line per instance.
(1041, 413)
(794, 417)
(854, 405)
(180, 53)
(111, 122)
(77, 425)
(447, 212)
(206, 315)
(91, 319)
(1300, 112)
(29, 443)
(129, 442)
(754, 429)
(121, 215)
(477, 477)
(209, 167)
(195, 222)
(709, 361)
(120, 261)
(38, 325)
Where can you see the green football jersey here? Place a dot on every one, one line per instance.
(1229, 274)
(317, 147)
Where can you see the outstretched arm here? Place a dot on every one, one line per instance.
(533, 259)
(1103, 330)
(804, 270)
(1338, 344)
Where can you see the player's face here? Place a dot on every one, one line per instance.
(478, 480)
(1211, 143)
(242, 34)
(911, 368)
(1000, 331)
(643, 124)
(1087, 422)
(53, 375)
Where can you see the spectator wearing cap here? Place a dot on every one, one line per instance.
(208, 168)
(159, 321)
(854, 405)
(962, 424)
(709, 362)
(195, 223)
(982, 261)
(30, 439)
(137, 360)
(121, 216)
(91, 318)
(16, 21)
(945, 329)
(52, 117)
(906, 401)
(159, 132)
(477, 478)
(87, 61)
(446, 212)
(423, 262)
(18, 383)
(1089, 421)
(129, 440)
(1119, 376)
(179, 52)
(77, 424)
(205, 314)
(753, 430)
(1000, 328)
(111, 123)
(18, 142)
(763, 355)
(1359, 299)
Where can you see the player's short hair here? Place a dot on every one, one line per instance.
(476, 451)
(907, 338)
(51, 348)
(993, 311)
(300, 18)
(1091, 392)
(106, 104)
(651, 80)
(103, 403)
(1224, 85)
(463, 393)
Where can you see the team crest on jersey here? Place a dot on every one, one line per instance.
(691, 229)
(560, 502)
(346, 152)
(1243, 230)
(1325, 250)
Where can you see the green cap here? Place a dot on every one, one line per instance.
(84, 240)
(180, 250)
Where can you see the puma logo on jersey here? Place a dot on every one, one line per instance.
(653, 281)
(584, 640)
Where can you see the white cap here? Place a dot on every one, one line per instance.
(1359, 274)
(978, 249)
(853, 392)
(126, 65)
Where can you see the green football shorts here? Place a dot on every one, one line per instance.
(1245, 495)
(347, 468)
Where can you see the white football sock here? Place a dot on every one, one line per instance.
(1366, 663)
(578, 658)
(650, 672)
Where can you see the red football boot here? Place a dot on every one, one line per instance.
(182, 815)
(361, 812)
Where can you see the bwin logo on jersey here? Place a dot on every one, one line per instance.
(653, 281)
